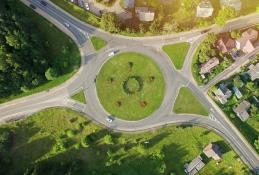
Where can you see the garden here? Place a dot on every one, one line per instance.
(204, 53)
(60, 141)
(171, 16)
(130, 86)
(250, 92)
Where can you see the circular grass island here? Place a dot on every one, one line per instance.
(130, 86)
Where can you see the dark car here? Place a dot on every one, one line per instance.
(205, 31)
(43, 3)
(32, 6)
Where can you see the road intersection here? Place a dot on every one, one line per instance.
(151, 46)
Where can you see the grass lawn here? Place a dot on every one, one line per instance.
(78, 12)
(177, 53)
(130, 86)
(80, 96)
(98, 43)
(37, 139)
(57, 41)
(187, 103)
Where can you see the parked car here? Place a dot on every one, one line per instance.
(110, 119)
(32, 6)
(87, 6)
(111, 54)
(43, 3)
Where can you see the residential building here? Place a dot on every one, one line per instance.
(145, 14)
(237, 92)
(212, 150)
(204, 9)
(250, 34)
(225, 44)
(254, 71)
(129, 4)
(245, 45)
(236, 4)
(194, 166)
(241, 110)
(223, 93)
(245, 42)
(209, 65)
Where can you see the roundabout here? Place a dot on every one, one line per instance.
(130, 86)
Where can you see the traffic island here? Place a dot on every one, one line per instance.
(130, 86)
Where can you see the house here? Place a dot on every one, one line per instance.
(223, 93)
(204, 9)
(129, 4)
(250, 34)
(245, 45)
(241, 110)
(145, 14)
(225, 44)
(254, 71)
(194, 166)
(237, 92)
(212, 150)
(209, 65)
(245, 42)
(236, 4)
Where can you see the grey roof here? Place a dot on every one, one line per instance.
(194, 166)
(129, 3)
(236, 4)
(145, 14)
(212, 150)
(241, 110)
(204, 9)
(254, 72)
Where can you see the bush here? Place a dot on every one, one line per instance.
(70, 133)
(108, 139)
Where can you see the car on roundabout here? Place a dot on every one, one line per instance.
(110, 119)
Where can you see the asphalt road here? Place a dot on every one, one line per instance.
(151, 46)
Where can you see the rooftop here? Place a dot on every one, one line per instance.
(254, 71)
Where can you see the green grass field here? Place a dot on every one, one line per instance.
(80, 96)
(57, 41)
(187, 103)
(177, 53)
(37, 138)
(98, 43)
(130, 86)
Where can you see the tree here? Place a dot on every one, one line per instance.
(235, 34)
(170, 27)
(51, 74)
(155, 26)
(256, 143)
(238, 82)
(108, 139)
(109, 22)
(142, 28)
(225, 14)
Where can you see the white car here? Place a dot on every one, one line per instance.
(87, 6)
(109, 119)
(67, 25)
(111, 54)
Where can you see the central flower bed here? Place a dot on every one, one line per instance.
(130, 86)
(133, 84)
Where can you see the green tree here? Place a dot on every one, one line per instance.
(225, 14)
(256, 144)
(109, 22)
(108, 139)
(51, 74)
